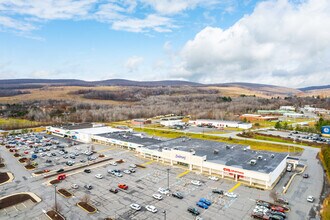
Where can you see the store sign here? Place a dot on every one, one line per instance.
(180, 157)
(232, 171)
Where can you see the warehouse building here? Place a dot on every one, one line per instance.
(256, 117)
(220, 123)
(236, 162)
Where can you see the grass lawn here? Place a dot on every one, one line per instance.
(254, 145)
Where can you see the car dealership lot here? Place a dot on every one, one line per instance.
(141, 186)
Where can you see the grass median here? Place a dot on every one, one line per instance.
(253, 144)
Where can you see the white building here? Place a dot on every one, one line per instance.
(256, 168)
(288, 108)
(294, 115)
(221, 124)
(81, 132)
(169, 123)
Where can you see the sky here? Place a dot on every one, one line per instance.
(278, 42)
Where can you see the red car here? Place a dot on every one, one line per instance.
(123, 186)
(277, 208)
(61, 177)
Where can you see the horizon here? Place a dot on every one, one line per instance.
(200, 41)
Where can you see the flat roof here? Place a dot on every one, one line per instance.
(98, 130)
(132, 137)
(233, 155)
(74, 126)
(219, 121)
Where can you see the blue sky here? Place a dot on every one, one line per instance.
(210, 41)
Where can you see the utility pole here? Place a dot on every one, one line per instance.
(55, 198)
(168, 179)
(164, 214)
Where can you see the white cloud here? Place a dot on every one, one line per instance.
(279, 43)
(151, 22)
(133, 63)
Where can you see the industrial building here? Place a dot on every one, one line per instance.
(220, 123)
(255, 117)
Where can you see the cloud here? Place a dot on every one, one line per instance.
(133, 63)
(279, 43)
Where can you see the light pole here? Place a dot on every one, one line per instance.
(55, 198)
(168, 178)
(164, 214)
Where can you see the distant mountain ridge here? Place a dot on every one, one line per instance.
(263, 88)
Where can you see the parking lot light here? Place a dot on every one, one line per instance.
(55, 198)
(164, 214)
(168, 178)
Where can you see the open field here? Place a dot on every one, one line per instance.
(254, 145)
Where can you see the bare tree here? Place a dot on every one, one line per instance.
(273, 195)
(86, 198)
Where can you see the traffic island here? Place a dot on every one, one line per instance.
(23, 160)
(18, 198)
(29, 167)
(87, 207)
(6, 177)
(56, 181)
(65, 193)
(54, 215)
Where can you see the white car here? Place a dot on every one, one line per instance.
(99, 176)
(132, 165)
(213, 178)
(196, 182)
(157, 196)
(310, 199)
(118, 174)
(151, 208)
(135, 206)
(231, 195)
(74, 186)
(113, 163)
(163, 191)
(127, 171)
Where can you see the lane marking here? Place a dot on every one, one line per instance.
(234, 187)
(183, 174)
(147, 163)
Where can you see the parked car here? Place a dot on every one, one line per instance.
(163, 191)
(230, 195)
(151, 208)
(310, 199)
(113, 190)
(135, 206)
(123, 186)
(48, 161)
(202, 205)
(275, 217)
(177, 195)
(60, 170)
(214, 178)
(216, 191)
(74, 186)
(127, 171)
(193, 211)
(87, 170)
(99, 176)
(132, 170)
(306, 175)
(282, 214)
(118, 174)
(132, 165)
(196, 182)
(113, 163)
(206, 201)
(157, 196)
(88, 186)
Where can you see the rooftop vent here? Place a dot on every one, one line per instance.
(259, 157)
(253, 162)
(227, 147)
(192, 151)
(272, 156)
(244, 149)
(216, 151)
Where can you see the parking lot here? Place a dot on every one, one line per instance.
(141, 186)
(298, 136)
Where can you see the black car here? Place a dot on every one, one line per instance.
(87, 170)
(113, 190)
(60, 170)
(88, 186)
(283, 215)
(193, 211)
(220, 192)
(48, 161)
(177, 195)
(305, 175)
